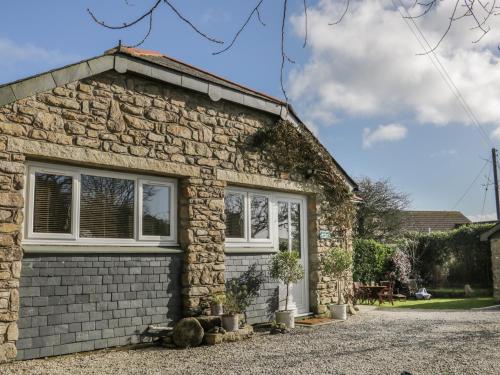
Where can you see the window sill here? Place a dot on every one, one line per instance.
(250, 250)
(98, 249)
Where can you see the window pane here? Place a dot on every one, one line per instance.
(52, 203)
(283, 226)
(260, 217)
(106, 207)
(295, 226)
(235, 215)
(155, 210)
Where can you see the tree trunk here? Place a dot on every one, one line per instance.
(287, 292)
(339, 293)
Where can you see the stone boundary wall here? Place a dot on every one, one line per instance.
(264, 306)
(78, 303)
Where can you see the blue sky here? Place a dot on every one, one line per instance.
(382, 111)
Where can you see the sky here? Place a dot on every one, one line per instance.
(381, 108)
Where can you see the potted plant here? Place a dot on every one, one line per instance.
(286, 267)
(230, 319)
(216, 304)
(335, 264)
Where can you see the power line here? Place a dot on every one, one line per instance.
(443, 72)
(470, 186)
(486, 191)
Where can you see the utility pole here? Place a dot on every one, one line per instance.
(495, 178)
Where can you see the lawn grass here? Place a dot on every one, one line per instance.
(442, 303)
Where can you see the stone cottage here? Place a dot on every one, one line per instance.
(128, 195)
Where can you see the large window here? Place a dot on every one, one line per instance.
(247, 216)
(90, 206)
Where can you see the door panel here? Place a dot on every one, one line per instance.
(291, 236)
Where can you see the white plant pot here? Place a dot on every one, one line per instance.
(338, 311)
(230, 322)
(286, 317)
(216, 310)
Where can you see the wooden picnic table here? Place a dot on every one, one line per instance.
(371, 292)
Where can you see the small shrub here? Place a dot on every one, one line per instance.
(371, 260)
(286, 267)
(336, 263)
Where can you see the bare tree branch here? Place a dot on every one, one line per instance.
(174, 9)
(346, 9)
(479, 11)
(305, 26)
(450, 23)
(284, 57)
(149, 13)
(240, 30)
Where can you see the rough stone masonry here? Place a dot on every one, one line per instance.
(124, 122)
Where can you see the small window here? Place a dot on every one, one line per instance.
(235, 215)
(106, 207)
(52, 203)
(69, 205)
(259, 217)
(156, 210)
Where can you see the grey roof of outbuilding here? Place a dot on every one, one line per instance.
(425, 221)
(160, 67)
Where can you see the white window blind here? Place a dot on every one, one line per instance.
(106, 207)
(52, 203)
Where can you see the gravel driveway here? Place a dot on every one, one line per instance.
(376, 342)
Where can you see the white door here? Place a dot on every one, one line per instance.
(292, 236)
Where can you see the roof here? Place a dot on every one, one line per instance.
(160, 67)
(486, 235)
(182, 67)
(432, 221)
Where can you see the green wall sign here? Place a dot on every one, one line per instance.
(325, 234)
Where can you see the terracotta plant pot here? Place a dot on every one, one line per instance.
(338, 311)
(286, 317)
(230, 322)
(217, 309)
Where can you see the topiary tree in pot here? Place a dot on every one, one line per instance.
(286, 267)
(336, 263)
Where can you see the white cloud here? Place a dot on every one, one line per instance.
(383, 133)
(482, 217)
(495, 134)
(443, 153)
(367, 66)
(13, 54)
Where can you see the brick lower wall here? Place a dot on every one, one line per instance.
(79, 303)
(264, 306)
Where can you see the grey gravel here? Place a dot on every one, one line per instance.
(375, 342)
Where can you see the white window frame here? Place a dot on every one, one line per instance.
(30, 203)
(173, 209)
(252, 194)
(245, 217)
(247, 240)
(74, 238)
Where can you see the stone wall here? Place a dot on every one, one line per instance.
(78, 303)
(264, 306)
(124, 122)
(495, 265)
(323, 288)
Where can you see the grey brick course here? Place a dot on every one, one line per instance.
(80, 303)
(265, 304)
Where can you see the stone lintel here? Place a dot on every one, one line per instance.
(89, 157)
(258, 181)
